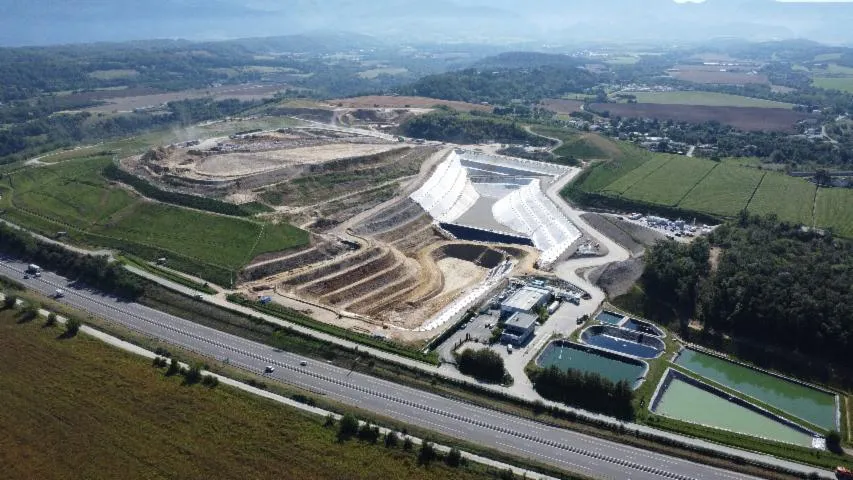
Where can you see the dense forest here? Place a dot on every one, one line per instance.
(774, 284)
(587, 390)
(528, 85)
(450, 126)
(97, 272)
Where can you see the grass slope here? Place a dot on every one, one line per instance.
(668, 185)
(73, 196)
(790, 198)
(710, 99)
(833, 209)
(725, 191)
(80, 409)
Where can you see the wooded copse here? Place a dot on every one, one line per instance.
(775, 283)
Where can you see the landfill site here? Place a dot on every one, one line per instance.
(450, 228)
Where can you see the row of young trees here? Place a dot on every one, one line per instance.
(95, 271)
(587, 390)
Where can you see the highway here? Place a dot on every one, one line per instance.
(564, 449)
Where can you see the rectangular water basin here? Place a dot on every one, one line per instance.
(683, 398)
(810, 404)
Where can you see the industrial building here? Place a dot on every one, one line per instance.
(525, 300)
(518, 329)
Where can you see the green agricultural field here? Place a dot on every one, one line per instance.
(74, 197)
(725, 191)
(844, 84)
(667, 186)
(711, 99)
(834, 209)
(637, 175)
(790, 198)
(825, 57)
(79, 409)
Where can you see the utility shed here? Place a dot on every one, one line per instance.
(525, 299)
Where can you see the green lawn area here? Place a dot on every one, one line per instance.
(725, 191)
(711, 99)
(668, 185)
(834, 209)
(845, 84)
(74, 197)
(790, 198)
(79, 409)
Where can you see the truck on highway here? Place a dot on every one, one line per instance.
(33, 268)
(58, 293)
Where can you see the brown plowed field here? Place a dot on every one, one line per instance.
(744, 118)
(375, 101)
(559, 105)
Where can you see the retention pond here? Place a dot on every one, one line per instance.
(810, 404)
(683, 398)
(567, 355)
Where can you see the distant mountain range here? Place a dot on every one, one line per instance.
(35, 22)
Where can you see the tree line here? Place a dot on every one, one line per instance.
(94, 271)
(587, 390)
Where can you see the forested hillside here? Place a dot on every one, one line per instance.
(451, 126)
(503, 86)
(774, 284)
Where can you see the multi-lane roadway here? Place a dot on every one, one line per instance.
(560, 448)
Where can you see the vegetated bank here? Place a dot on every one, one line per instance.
(90, 270)
(74, 197)
(135, 421)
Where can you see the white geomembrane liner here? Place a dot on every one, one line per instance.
(448, 193)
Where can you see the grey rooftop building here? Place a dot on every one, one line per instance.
(519, 327)
(525, 299)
